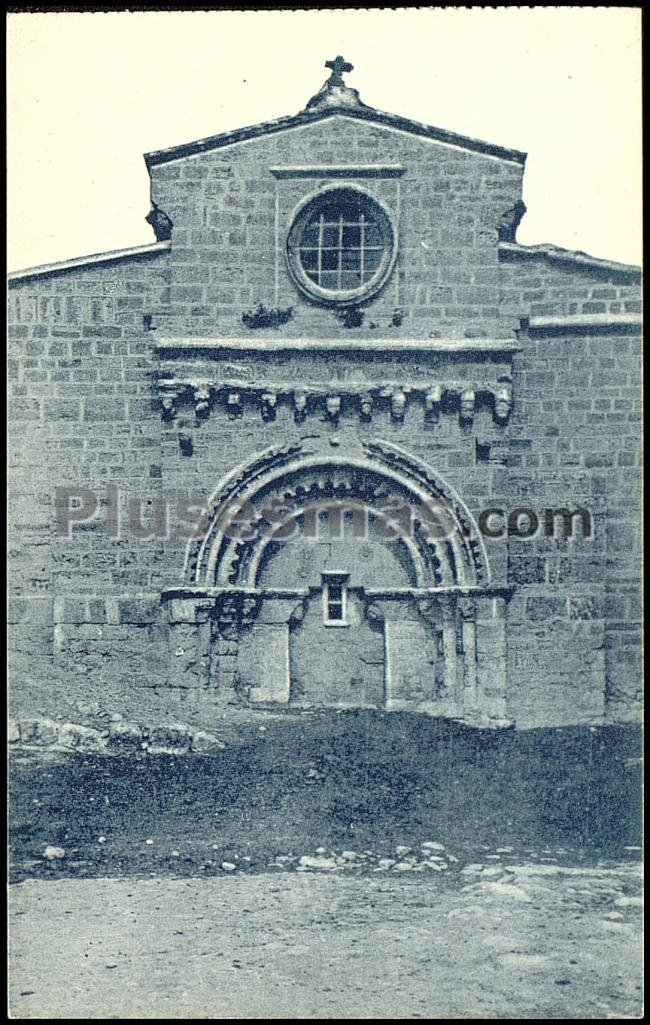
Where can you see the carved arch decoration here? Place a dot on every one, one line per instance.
(256, 501)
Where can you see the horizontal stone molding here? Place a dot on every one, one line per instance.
(339, 171)
(585, 320)
(183, 592)
(377, 346)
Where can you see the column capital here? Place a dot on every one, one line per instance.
(467, 607)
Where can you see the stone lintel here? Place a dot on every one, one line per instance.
(339, 171)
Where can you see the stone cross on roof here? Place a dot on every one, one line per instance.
(335, 93)
(339, 67)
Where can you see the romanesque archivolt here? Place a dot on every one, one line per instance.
(296, 493)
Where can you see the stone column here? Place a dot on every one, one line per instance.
(205, 645)
(501, 667)
(468, 619)
(223, 657)
(449, 647)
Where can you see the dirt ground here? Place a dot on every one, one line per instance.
(546, 943)
(342, 866)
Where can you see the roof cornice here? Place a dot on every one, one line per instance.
(307, 117)
(94, 259)
(559, 255)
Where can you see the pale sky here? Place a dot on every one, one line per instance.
(89, 93)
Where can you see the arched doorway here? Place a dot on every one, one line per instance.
(354, 563)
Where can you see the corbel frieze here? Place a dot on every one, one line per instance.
(364, 398)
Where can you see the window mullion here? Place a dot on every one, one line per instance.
(320, 246)
(340, 267)
(362, 225)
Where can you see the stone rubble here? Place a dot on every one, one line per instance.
(54, 853)
(119, 738)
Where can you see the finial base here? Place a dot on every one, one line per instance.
(334, 96)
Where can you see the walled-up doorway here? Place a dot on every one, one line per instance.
(339, 557)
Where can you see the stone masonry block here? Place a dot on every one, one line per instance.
(528, 570)
(140, 610)
(541, 609)
(585, 607)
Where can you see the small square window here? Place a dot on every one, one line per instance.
(334, 602)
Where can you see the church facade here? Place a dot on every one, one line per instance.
(334, 439)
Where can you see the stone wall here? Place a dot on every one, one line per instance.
(576, 611)
(81, 417)
(231, 215)
(87, 372)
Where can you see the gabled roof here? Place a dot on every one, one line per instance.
(92, 260)
(334, 99)
(558, 255)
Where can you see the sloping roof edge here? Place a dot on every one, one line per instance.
(306, 117)
(88, 261)
(559, 255)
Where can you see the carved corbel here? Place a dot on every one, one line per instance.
(467, 608)
(467, 404)
(234, 611)
(333, 407)
(429, 609)
(234, 406)
(249, 607)
(202, 400)
(299, 406)
(161, 223)
(398, 404)
(168, 403)
(297, 613)
(449, 606)
(503, 400)
(365, 405)
(432, 401)
(374, 613)
(269, 405)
